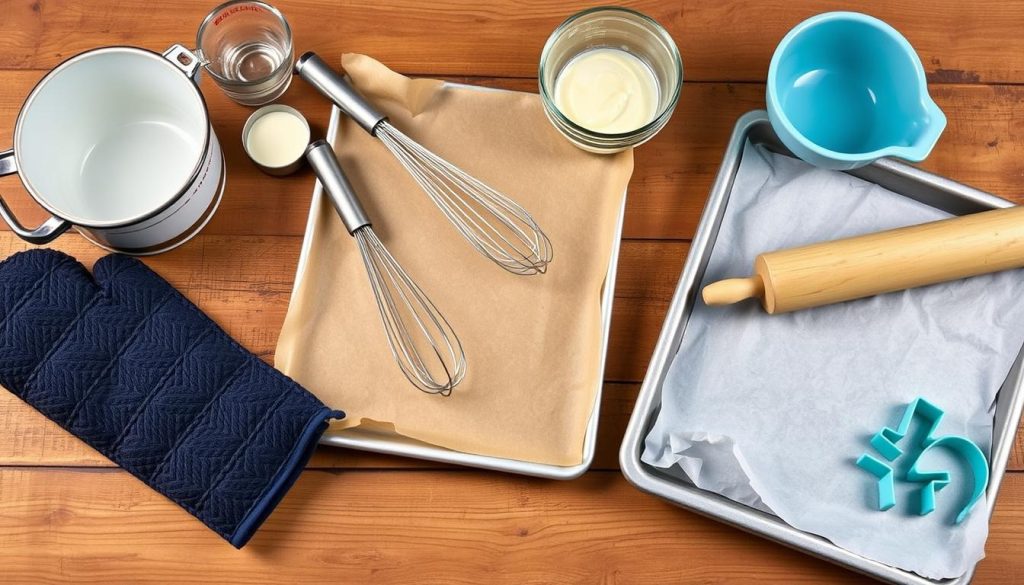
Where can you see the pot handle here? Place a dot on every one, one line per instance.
(185, 60)
(43, 234)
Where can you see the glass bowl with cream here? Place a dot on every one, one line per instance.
(275, 137)
(610, 78)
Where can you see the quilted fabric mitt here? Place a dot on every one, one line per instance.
(130, 366)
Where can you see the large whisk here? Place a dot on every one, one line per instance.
(421, 340)
(493, 224)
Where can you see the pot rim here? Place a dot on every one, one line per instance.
(204, 152)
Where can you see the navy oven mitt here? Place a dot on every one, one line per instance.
(130, 366)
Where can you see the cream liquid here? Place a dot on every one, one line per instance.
(277, 139)
(607, 90)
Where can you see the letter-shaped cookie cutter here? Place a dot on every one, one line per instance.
(885, 443)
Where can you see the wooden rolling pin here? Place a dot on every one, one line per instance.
(853, 268)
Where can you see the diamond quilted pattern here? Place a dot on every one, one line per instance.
(39, 295)
(144, 361)
(82, 356)
(183, 395)
(262, 454)
(134, 369)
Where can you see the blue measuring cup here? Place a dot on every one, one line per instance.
(846, 88)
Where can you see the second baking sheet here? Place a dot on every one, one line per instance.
(772, 410)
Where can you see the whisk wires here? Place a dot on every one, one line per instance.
(496, 226)
(416, 331)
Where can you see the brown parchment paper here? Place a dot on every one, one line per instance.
(532, 343)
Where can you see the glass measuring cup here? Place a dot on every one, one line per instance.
(246, 46)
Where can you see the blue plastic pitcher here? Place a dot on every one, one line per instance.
(846, 88)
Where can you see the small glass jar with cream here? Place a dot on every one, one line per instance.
(610, 78)
(275, 137)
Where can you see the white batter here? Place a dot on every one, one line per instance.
(607, 90)
(277, 139)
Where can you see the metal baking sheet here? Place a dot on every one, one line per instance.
(900, 178)
(392, 444)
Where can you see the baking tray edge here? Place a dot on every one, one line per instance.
(403, 447)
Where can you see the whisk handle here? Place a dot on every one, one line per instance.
(329, 82)
(321, 157)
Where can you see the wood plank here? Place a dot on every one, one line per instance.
(721, 41)
(245, 283)
(673, 172)
(365, 518)
(1002, 563)
(103, 526)
(648, 273)
(27, 438)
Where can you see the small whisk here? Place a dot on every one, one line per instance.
(496, 226)
(422, 342)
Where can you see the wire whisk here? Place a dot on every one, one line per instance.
(422, 342)
(495, 225)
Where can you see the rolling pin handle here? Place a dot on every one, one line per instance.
(733, 290)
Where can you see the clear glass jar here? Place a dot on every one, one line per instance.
(613, 28)
(246, 46)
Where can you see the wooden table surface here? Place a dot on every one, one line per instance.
(67, 514)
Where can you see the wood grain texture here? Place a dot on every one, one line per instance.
(360, 517)
(28, 439)
(103, 526)
(673, 172)
(244, 283)
(720, 41)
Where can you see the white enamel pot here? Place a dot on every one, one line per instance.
(117, 143)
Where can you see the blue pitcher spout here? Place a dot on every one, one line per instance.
(931, 124)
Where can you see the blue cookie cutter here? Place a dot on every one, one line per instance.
(885, 443)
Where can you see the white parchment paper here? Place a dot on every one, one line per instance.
(773, 410)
